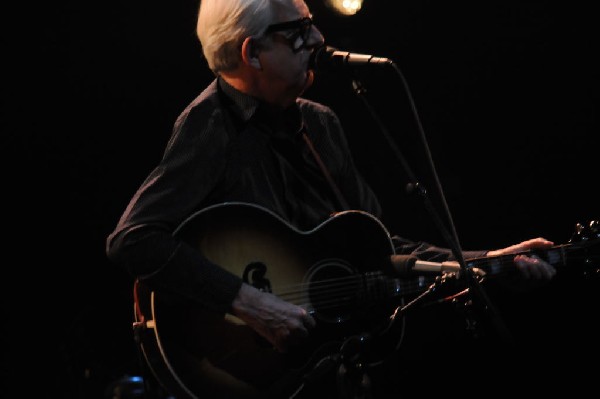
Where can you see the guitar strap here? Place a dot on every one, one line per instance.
(338, 194)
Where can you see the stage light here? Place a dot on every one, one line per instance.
(345, 7)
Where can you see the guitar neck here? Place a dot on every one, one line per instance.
(559, 256)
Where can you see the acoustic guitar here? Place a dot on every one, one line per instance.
(338, 271)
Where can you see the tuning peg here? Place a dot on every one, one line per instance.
(578, 234)
(595, 228)
(586, 238)
(584, 233)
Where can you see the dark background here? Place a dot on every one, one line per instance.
(507, 94)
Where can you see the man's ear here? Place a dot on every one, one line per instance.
(250, 51)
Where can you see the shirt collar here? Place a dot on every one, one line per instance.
(285, 123)
(245, 106)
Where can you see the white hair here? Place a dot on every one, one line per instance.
(223, 25)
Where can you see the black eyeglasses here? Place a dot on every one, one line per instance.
(301, 28)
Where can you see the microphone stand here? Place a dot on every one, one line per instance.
(353, 382)
(349, 362)
(414, 187)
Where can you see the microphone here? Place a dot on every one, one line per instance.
(327, 58)
(403, 265)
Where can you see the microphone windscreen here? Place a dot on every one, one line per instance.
(402, 265)
(322, 59)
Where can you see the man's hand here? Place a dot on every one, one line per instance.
(281, 323)
(530, 266)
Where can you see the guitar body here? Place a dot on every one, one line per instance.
(334, 271)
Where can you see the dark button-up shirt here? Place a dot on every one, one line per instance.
(228, 147)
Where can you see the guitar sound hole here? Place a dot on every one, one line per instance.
(333, 290)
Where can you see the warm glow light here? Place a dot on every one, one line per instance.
(345, 7)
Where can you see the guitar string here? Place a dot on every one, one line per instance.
(349, 281)
(326, 297)
(501, 263)
(321, 305)
(326, 293)
(376, 276)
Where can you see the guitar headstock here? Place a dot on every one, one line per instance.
(587, 232)
(587, 238)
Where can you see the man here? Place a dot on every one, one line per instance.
(249, 138)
